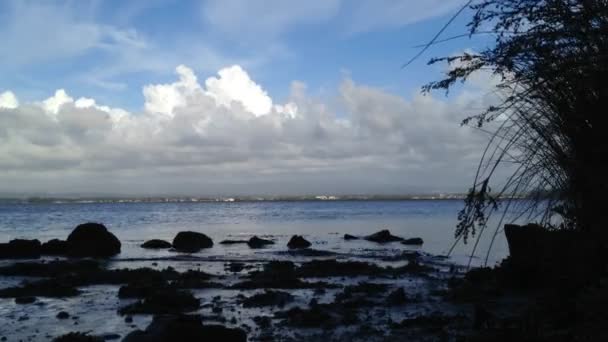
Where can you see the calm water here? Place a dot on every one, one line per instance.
(323, 223)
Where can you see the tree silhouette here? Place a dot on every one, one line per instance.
(551, 59)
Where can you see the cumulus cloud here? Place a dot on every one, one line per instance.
(8, 100)
(228, 136)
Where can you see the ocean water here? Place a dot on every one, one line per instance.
(321, 222)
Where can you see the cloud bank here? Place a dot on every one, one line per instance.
(227, 136)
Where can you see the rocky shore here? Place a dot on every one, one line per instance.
(79, 289)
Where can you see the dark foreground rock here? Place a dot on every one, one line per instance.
(413, 241)
(20, 249)
(297, 241)
(383, 236)
(77, 337)
(191, 242)
(185, 328)
(55, 247)
(156, 244)
(256, 242)
(163, 301)
(92, 240)
(268, 298)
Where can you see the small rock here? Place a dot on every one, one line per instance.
(350, 237)
(413, 241)
(397, 297)
(63, 315)
(185, 328)
(20, 249)
(128, 319)
(156, 244)
(25, 300)
(256, 242)
(77, 337)
(383, 236)
(55, 247)
(191, 242)
(297, 241)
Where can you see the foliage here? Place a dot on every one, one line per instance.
(551, 60)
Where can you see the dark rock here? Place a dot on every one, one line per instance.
(397, 297)
(185, 328)
(109, 337)
(233, 242)
(316, 316)
(297, 241)
(63, 315)
(277, 275)
(191, 242)
(383, 236)
(55, 247)
(268, 298)
(77, 337)
(350, 237)
(25, 300)
(156, 244)
(128, 319)
(42, 288)
(413, 241)
(333, 268)
(92, 240)
(263, 322)
(163, 301)
(308, 252)
(256, 242)
(20, 249)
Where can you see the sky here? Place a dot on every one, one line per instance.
(220, 97)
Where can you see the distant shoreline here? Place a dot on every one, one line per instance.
(320, 198)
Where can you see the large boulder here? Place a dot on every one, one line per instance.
(156, 244)
(383, 236)
(184, 328)
(20, 249)
(55, 247)
(256, 242)
(92, 240)
(297, 241)
(539, 255)
(191, 242)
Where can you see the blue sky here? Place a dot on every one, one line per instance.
(232, 96)
(110, 49)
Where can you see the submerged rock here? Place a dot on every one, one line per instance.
(233, 242)
(268, 298)
(25, 300)
(413, 241)
(397, 297)
(92, 240)
(185, 328)
(163, 301)
(350, 237)
(383, 236)
(191, 242)
(297, 241)
(55, 247)
(63, 315)
(42, 288)
(20, 249)
(256, 242)
(156, 244)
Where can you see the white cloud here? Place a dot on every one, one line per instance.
(234, 84)
(186, 141)
(8, 100)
